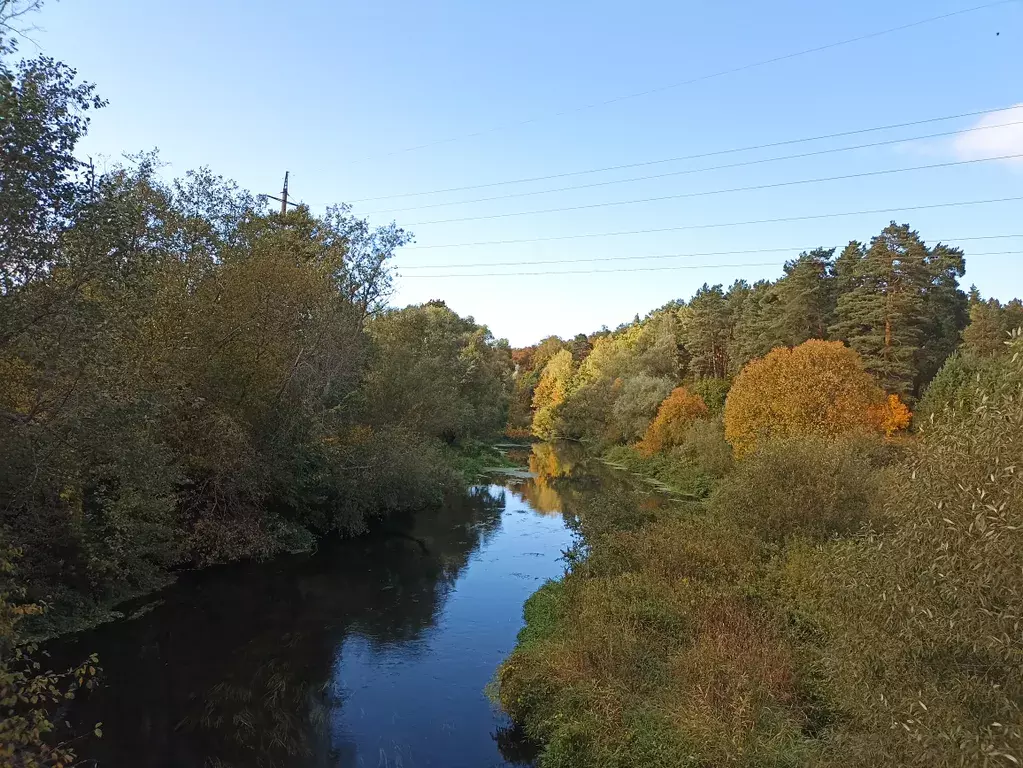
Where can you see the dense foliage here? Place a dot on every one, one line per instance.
(816, 388)
(821, 588)
(675, 416)
(843, 601)
(188, 377)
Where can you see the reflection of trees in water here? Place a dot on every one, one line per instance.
(547, 461)
(236, 667)
(569, 482)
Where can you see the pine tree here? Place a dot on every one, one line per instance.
(985, 336)
(1014, 315)
(946, 311)
(706, 329)
(753, 324)
(846, 267)
(805, 298)
(884, 315)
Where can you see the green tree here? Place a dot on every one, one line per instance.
(437, 373)
(987, 334)
(706, 331)
(43, 114)
(805, 298)
(902, 312)
(753, 330)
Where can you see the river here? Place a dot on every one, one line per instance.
(373, 651)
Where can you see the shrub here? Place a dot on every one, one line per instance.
(809, 486)
(638, 400)
(817, 388)
(713, 391)
(892, 415)
(916, 629)
(705, 446)
(674, 417)
(956, 386)
(647, 654)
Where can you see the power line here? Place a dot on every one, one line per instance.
(694, 80)
(786, 219)
(716, 265)
(688, 171)
(789, 249)
(701, 155)
(707, 193)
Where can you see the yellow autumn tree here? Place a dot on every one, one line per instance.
(550, 394)
(892, 415)
(817, 388)
(674, 417)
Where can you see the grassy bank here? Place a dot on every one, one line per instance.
(831, 602)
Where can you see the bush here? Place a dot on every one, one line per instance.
(713, 391)
(818, 388)
(649, 654)
(674, 417)
(808, 487)
(705, 446)
(916, 629)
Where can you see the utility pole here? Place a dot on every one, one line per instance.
(283, 199)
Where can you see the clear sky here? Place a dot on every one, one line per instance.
(338, 92)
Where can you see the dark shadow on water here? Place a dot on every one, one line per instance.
(254, 664)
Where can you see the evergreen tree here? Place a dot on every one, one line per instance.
(893, 315)
(946, 311)
(989, 327)
(1014, 315)
(805, 298)
(706, 331)
(846, 267)
(753, 323)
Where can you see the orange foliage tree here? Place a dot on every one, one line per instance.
(817, 388)
(892, 415)
(674, 416)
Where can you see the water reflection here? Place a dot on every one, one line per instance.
(372, 652)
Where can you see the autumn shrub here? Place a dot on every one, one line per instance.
(807, 486)
(674, 418)
(817, 388)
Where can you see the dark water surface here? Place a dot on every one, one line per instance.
(371, 652)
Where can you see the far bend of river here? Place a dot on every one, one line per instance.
(372, 652)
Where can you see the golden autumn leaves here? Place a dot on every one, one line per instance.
(817, 388)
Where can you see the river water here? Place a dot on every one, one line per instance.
(371, 652)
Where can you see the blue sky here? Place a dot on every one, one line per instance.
(335, 92)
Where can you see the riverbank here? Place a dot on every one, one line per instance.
(70, 612)
(791, 616)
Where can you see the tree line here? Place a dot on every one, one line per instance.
(895, 301)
